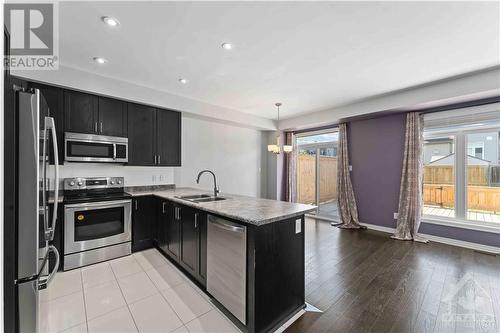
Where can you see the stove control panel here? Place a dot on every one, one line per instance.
(80, 183)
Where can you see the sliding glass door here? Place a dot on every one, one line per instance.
(317, 171)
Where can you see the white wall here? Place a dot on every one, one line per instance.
(232, 152)
(134, 176)
(273, 166)
(229, 142)
(482, 84)
(93, 83)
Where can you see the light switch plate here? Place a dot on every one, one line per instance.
(396, 216)
(350, 167)
(298, 226)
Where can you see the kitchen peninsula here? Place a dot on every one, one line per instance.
(247, 253)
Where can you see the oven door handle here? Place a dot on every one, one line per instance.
(103, 204)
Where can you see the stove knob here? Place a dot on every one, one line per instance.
(112, 182)
(119, 181)
(80, 183)
(71, 183)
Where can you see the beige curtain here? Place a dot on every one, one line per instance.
(291, 168)
(348, 211)
(410, 193)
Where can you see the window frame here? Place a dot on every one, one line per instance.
(460, 220)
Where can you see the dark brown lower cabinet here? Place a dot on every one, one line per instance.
(143, 222)
(193, 249)
(163, 211)
(181, 235)
(173, 231)
(275, 271)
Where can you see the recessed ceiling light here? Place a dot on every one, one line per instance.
(111, 21)
(100, 60)
(227, 46)
(183, 81)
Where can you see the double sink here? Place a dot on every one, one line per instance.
(198, 198)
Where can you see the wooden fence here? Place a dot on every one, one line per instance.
(443, 174)
(306, 178)
(439, 189)
(481, 198)
(438, 184)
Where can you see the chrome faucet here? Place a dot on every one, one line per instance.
(216, 188)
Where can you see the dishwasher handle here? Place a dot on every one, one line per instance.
(227, 227)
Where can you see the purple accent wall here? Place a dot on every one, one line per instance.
(376, 148)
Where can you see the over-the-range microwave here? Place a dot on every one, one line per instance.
(80, 147)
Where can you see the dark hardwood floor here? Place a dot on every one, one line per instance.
(363, 281)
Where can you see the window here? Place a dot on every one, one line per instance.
(461, 157)
(439, 176)
(483, 190)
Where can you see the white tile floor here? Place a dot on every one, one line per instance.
(142, 292)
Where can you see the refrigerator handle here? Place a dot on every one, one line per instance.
(49, 234)
(44, 282)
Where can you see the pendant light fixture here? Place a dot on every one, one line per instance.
(278, 148)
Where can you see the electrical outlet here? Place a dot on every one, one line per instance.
(350, 167)
(396, 215)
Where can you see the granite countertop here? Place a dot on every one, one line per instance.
(250, 210)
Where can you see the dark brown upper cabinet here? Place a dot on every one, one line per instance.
(141, 135)
(86, 113)
(112, 117)
(154, 136)
(80, 112)
(168, 137)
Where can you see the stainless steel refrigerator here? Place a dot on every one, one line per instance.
(35, 228)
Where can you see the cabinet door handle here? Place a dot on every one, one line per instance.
(163, 207)
(154, 157)
(95, 127)
(101, 126)
(159, 159)
(136, 204)
(196, 220)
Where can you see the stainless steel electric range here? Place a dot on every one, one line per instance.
(97, 220)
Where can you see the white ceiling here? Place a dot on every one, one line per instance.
(309, 55)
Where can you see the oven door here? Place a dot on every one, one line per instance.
(96, 224)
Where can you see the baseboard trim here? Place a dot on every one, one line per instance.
(379, 228)
(443, 240)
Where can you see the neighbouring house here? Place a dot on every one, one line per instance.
(482, 146)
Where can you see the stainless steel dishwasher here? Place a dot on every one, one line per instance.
(226, 264)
